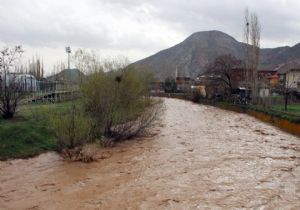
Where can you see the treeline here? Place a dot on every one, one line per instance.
(34, 67)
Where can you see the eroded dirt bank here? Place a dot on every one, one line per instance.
(201, 158)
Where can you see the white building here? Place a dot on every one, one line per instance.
(293, 79)
(24, 82)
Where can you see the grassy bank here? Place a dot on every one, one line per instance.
(277, 111)
(290, 116)
(28, 133)
(293, 108)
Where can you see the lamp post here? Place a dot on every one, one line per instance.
(68, 50)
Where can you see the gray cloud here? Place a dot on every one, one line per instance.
(137, 28)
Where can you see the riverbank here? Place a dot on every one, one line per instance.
(28, 133)
(286, 121)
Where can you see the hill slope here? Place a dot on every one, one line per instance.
(71, 75)
(201, 48)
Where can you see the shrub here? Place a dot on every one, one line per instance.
(115, 97)
(86, 153)
(140, 125)
(72, 129)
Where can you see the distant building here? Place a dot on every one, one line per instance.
(210, 85)
(22, 82)
(293, 79)
(183, 83)
(273, 80)
(157, 87)
(263, 73)
(289, 75)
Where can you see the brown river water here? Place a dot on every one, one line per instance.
(200, 157)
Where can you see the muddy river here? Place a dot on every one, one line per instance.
(200, 158)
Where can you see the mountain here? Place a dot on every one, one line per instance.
(70, 75)
(192, 55)
(271, 57)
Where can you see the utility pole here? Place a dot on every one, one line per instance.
(68, 50)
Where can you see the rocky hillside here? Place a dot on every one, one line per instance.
(192, 55)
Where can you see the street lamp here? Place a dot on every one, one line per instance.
(68, 50)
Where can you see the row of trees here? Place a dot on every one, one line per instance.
(34, 67)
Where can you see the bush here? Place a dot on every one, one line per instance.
(86, 153)
(140, 125)
(72, 129)
(115, 97)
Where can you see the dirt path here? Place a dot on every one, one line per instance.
(201, 158)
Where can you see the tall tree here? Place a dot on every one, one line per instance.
(252, 38)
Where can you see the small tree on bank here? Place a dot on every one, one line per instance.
(11, 90)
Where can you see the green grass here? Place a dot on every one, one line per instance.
(276, 112)
(293, 108)
(28, 133)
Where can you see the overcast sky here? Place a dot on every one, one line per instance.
(136, 28)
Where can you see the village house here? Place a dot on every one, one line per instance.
(157, 87)
(267, 81)
(289, 76)
(183, 83)
(273, 80)
(263, 73)
(209, 86)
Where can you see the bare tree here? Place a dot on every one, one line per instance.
(223, 69)
(252, 39)
(86, 61)
(11, 90)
